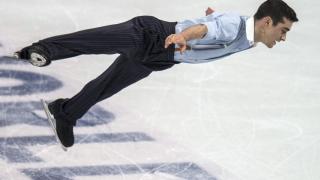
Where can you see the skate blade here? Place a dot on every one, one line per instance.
(52, 123)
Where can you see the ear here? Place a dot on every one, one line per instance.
(267, 21)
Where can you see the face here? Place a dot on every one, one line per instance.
(272, 34)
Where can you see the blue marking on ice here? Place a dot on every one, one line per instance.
(32, 83)
(185, 170)
(10, 60)
(96, 115)
(14, 148)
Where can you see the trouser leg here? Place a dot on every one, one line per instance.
(118, 38)
(122, 73)
(130, 67)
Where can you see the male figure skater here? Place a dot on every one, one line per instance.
(147, 44)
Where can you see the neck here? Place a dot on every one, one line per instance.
(257, 31)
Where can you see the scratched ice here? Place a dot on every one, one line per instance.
(254, 115)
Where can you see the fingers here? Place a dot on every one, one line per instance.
(176, 39)
(169, 40)
(183, 49)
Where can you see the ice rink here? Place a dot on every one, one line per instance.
(254, 115)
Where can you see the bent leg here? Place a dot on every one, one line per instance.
(122, 73)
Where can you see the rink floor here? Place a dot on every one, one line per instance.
(251, 116)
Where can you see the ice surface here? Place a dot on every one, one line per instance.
(253, 116)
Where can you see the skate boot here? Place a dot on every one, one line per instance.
(36, 55)
(63, 130)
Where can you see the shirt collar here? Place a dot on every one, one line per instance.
(250, 31)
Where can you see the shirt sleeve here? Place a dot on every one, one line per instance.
(223, 28)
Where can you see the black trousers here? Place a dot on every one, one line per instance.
(140, 43)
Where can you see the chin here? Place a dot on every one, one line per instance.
(269, 45)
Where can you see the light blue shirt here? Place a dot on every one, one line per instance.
(230, 31)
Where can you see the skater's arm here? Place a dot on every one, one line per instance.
(193, 32)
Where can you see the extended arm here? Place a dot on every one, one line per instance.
(193, 32)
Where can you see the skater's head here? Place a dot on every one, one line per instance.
(273, 20)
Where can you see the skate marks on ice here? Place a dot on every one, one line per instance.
(23, 128)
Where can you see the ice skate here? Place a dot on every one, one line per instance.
(52, 123)
(34, 55)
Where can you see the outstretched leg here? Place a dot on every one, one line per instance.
(124, 38)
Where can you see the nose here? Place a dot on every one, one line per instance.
(283, 37)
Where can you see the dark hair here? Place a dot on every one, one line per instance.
(277, 10)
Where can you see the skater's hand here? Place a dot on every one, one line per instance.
(176, 39)
(209, 11)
